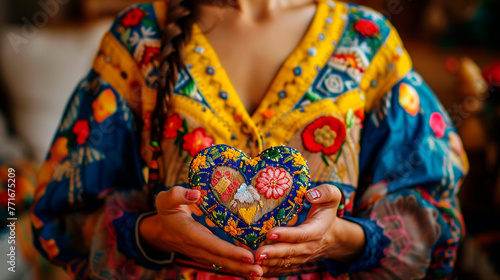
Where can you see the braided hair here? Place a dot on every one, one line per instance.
(177, 32)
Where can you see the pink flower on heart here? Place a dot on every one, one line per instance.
(273, 182)
(230, 189)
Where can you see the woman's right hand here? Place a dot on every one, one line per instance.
(173, 229)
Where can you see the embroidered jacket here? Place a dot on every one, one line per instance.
(347, 98)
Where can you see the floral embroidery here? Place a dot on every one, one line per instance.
(173, 124)
(198, 162)
(273, 154)
(366, 28)
(133, 17)
(59, 149)
(197, 141)
(298, 160)
(273, 182)
(409, 99)
(325, 134)
(232, 228)
(250, 161)
(203, 193)
(247, 191)
(437, 124)
(82, 131)
(150, 52)
(267, 114)
(231, 154)
(268, 225)
(231, 186)
(104, 106)
(300, 195)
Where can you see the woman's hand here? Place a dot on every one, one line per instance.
(322, 235)
(173, 229)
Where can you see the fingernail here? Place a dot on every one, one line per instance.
(273, 237)
(313, 194)
(262, 257)
(255, 274)
(247, 260)
(192, 195)
(258, 262)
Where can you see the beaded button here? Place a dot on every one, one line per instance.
(297, 71)
(223, 95)
(210, 70)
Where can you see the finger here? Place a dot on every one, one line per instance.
(215, 246)
(284, 250)
(285, 262)
(311, 230)
(175, 197)
(325, 194)
(234, 267)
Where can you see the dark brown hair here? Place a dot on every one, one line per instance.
(181, 15)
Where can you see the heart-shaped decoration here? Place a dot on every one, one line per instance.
(247, 197)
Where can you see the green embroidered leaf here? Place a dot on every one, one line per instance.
(221, 217)
(210, 161)
(281, 214)
(190, 89)
(251, 239)
(350, 119)
(126, 35)
(196, 179)
(288, 159)
(311, 96)
(185, 126)
(303, 178)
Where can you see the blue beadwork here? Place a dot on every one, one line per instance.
(312, 51)
(199, 49)
(321, 36)
(282, 94)
(297, 71)
(223, 95)
(210, 70)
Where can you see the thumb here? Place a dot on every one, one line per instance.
(325, 194)
(176, 197)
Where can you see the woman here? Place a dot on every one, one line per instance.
(172, 78)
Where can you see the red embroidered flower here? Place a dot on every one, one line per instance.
(149, 54)
(232, 185)
(273, 182)
(133, 17)
(197, 141)
(366, 28)
(325, 134)
(82, 131)
(174, 122)
(203, 193)
(360, 113)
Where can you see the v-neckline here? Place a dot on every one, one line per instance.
(288, 85)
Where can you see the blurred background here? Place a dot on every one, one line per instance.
(47, 46)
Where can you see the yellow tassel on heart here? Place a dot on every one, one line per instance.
(247, 214)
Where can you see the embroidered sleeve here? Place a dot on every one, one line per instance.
(411, 166)
(91, 192)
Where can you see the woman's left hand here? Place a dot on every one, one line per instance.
(322, 235)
